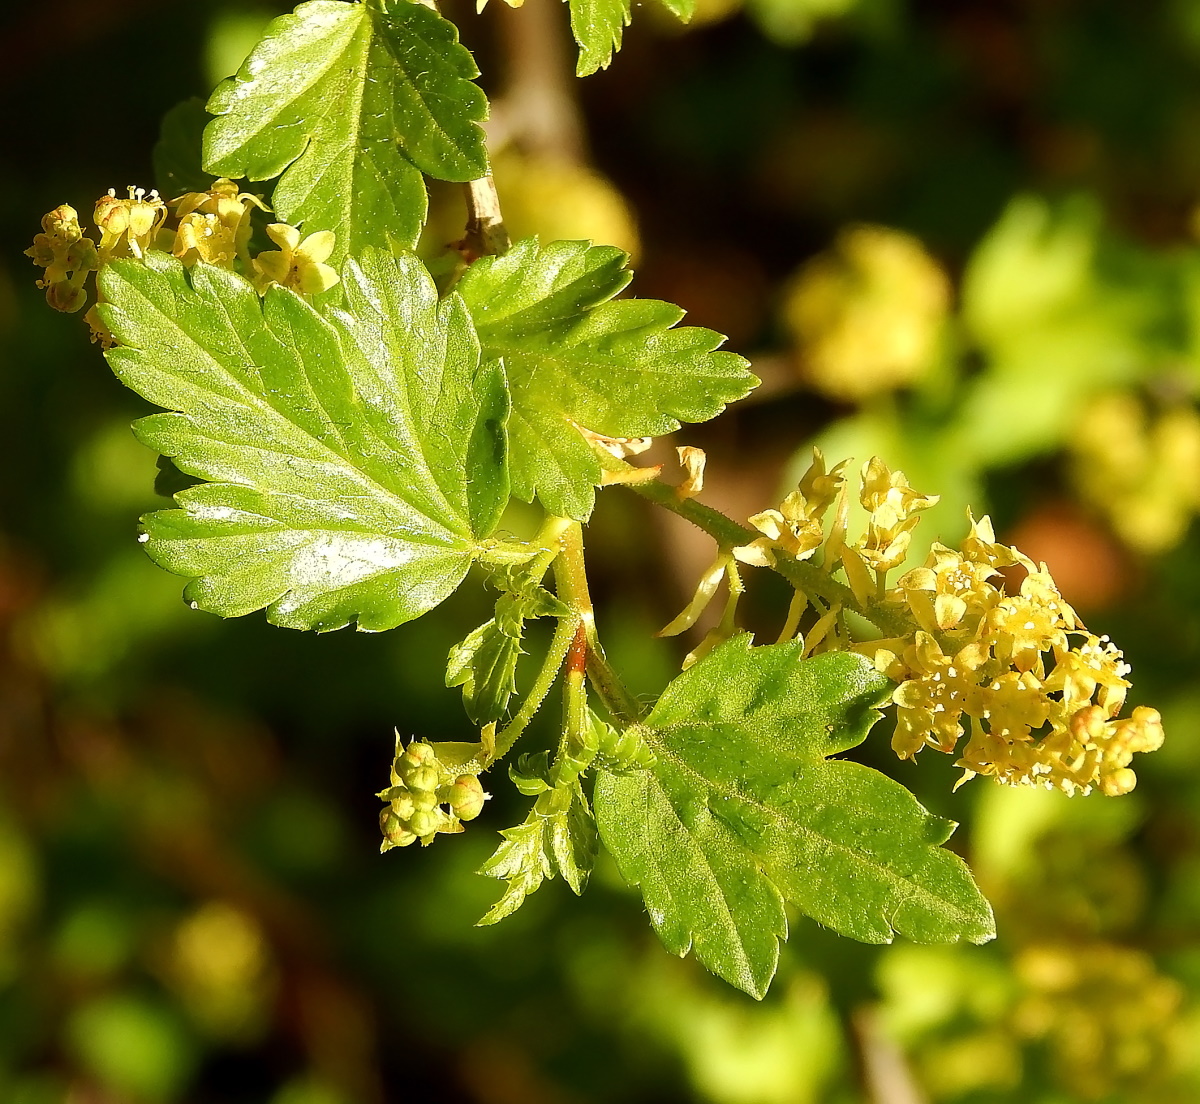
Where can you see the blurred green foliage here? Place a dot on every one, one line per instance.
(191, 904)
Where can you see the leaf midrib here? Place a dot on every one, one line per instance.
(782, 822)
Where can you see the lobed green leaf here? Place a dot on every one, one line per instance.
(744, 810)
(576, 357)
(350, 103)
(558, 837)
(598, 25)
(353, 462)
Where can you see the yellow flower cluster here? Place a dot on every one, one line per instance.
(66, 255)
(796, 527)
(867, 315)
(212, 227)
(1037, 695)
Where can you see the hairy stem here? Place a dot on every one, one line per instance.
(564, 634)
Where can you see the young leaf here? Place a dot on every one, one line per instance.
(743, 810)
(576, 357)
(354, 462)
(485, 666)
(353, 101)
(558, 836)
(597, 26)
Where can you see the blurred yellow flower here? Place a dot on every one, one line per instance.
(867, 315)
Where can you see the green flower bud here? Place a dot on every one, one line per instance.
(65, 296)
(467, 797)
(394, 832)
(402, 804)
(422, 779)
(424, 799)
(426, 822)
(417, 753)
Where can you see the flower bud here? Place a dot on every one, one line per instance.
(424, 799)
(426, 822)
(423, 779)
(64, 296)
(395, 833)
(467, 797)
(402, 804)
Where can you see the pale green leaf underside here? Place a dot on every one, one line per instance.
(743, 811)
(350, 105)
(485, 666)
(574, 356)
(353, 462)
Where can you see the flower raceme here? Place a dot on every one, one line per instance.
(1007, 665)
(212, 227)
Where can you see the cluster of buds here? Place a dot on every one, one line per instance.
(212, 227)
(1038, 696)
(426, 797)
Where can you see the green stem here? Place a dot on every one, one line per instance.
(570, 576)
(559, 646)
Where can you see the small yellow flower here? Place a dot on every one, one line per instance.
(297, 264)
(931, 702)
(893, 506)
(1025, 625)
(979, 546)
(226, 212)
(789, 528)
(819, 487)
(128, 226)
(948, 590)
(886, 495)
(205, 238)
(1095, 664)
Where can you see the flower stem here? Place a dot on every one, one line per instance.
(564, 634)
(804, 576)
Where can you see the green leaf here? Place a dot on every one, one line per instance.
(597, 26)
(354, 461)
(177, 168)
(743, 810)
(575, 357)
(438, 107)
(558, 837)
(485, 666)
(353, 101)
